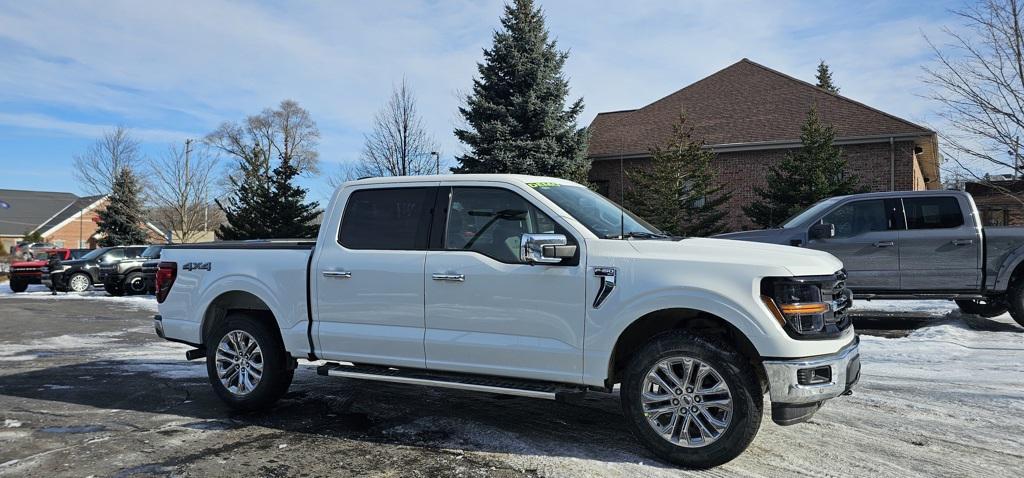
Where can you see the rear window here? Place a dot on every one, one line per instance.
(933, 212)
(387, 219)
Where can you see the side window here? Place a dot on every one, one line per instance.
(134, 252)
(387, 219)
(491, 221)
(858, 218)
(933, 212)
(113, 255)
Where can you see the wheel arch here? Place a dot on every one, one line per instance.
(697, 321)
(237, 301)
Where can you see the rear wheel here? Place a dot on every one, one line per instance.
(983, 308)
(134, 284)
(1015, 301)
(692, 400)
(18, 286)
(80, 282)
(246, 363)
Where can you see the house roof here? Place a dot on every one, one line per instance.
(26, 210)
(743, 103)
(72, 209)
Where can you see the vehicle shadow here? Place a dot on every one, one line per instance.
(375, 412)
(895, 325)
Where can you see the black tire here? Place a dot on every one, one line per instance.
(71, 280)
(736, 372)
(113, 290)
(987, 308)
(134, 284)
(277, 375)
(18, 286)
(1015, 301)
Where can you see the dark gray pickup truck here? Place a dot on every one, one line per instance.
(913, 245)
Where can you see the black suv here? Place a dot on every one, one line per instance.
(80, 274)
(125, 276)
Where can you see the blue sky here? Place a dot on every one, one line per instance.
(175, 70)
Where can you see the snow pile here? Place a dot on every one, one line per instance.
(37, 291)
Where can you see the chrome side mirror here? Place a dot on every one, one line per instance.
(545, 248)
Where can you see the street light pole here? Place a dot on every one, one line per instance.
(437, 162)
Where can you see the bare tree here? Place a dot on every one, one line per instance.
(181, 184)
(979, 80)
(96, 168)
(288, 131)
(399, 144)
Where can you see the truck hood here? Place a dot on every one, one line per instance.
(15, 265)
(798, 261)
(774, 236)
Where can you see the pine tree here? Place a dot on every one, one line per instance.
(246, 208)
(824, 77)
(266, 204)
(517, 117)
(289, 215)
(816, 171)
(120, 223)
(678, 192)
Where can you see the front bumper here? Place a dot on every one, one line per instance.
(783, 375)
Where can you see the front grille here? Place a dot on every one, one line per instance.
(842, 300)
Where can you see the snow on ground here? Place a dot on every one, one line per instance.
(38, 291)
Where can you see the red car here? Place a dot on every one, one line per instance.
(30, 272)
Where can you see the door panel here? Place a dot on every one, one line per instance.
(939, 251)
(503, 317)
(369, 283)
(867, 243)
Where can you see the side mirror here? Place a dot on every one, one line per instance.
(822, 231)
(545, 248)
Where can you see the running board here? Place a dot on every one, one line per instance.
(476, 383)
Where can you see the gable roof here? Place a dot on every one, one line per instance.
(743, 103)
(27, 210)
(68, 213)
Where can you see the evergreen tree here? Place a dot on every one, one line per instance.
(517, 117)
(824, 77)
(266, 204)
(289, 214)
(120, 223)
(246, 208)
(816, 171)
(677, 193)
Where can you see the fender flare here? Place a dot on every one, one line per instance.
(1007, 268)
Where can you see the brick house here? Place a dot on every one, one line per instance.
(751, 115)
(998, 201)
(62, 218)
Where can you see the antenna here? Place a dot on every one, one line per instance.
(622, 196)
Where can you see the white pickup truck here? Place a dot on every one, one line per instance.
(528, 286)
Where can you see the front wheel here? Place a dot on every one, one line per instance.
(1015, 299)
(982, 308)
(79, 282)
(18, 286)
(692, 400)
(246, 363)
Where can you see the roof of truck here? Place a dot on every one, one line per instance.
(453, 178)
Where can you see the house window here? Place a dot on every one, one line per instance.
(995, 216)
(58, 243)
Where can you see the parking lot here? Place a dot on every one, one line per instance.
(86, 388)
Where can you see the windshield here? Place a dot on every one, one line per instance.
(815, 209)
(603, 217)
(152, 252)
(95, 253)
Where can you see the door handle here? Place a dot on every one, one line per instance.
(337, 274)
(884, 244)
(450, 277)
(963, 242)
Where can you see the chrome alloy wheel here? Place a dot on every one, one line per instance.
(79, 283)
(686, 402)
(239, 362)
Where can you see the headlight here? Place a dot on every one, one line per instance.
(808, 307)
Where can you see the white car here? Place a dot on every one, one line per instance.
(527, 286)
